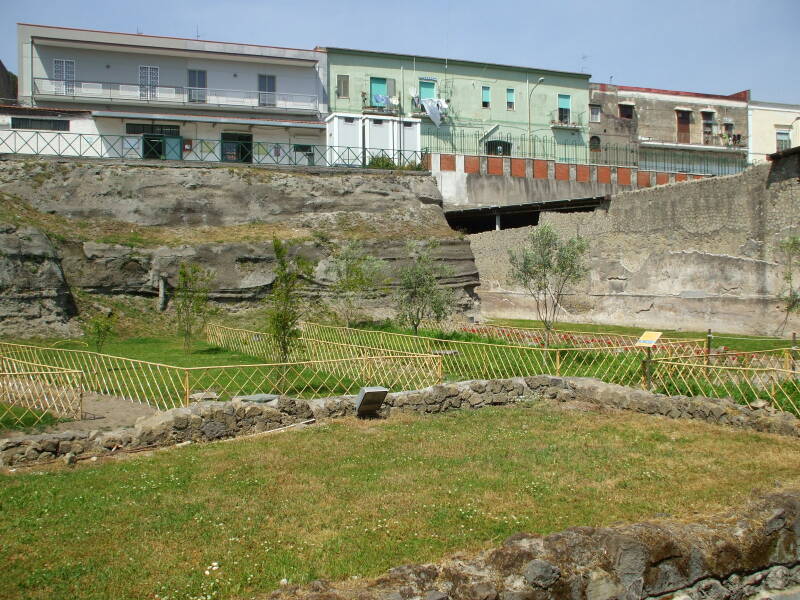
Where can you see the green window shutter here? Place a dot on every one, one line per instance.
(391, 88)
(510, 95)
(427, 89)
(486, 92)
(564, 101)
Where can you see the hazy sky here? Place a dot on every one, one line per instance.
(715, 46)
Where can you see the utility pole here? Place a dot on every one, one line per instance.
(530, 94)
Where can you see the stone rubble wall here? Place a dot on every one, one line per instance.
(752, 552)
(208, 421)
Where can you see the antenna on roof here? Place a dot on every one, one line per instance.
(583, 62)
(197, 32)
(138, 30)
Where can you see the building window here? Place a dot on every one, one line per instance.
(626, 111)
(266, 90)
(498, 147)
(594, 113)
(684, 126)
(486, 96)
(708, 126)
(594, 143)
(343, 86)
(152, 129)
(510, 99)
(564, 108)
(197, 87)
(64, 76)
(41, 124)
(381, 90)
(427, 89)
(148, 83)
(783, 139)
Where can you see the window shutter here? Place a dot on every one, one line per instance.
(343, 86)
(563, 101)
(510, 95)
(391, 89)
(486, 93)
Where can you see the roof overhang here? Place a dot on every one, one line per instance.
(207, 119)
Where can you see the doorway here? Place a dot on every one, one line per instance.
(237, 147)
(684, 122)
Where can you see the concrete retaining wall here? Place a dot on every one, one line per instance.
(688, 255)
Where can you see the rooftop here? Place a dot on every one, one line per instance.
(743, 96)
(457, 61)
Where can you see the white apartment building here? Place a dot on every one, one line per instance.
(773, 127)
(122, 95)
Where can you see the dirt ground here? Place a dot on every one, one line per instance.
(101, 413)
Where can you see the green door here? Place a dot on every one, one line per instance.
(173, 148)
(378, 91)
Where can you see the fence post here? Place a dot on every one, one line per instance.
(186, 387)
(794, 348)
(558, 362)
(709, 337)
(647, 379)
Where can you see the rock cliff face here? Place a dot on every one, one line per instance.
(383, 209)
(32, 284)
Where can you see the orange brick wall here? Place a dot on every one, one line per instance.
(623, 176)
(540, 169)
(643, 179)
(472, 164)
(662, 178)
(447, 162)
(494, 166)
(518, 167)
(603, 174)
(582, 172)
(562, 172)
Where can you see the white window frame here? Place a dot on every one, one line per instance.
(599, 113)
(148, 90)
(64, 85)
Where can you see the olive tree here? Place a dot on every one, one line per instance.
(355, 273)
(546, 266)
(285, 300)
(419, 295)
(192, 308)
(790, 294)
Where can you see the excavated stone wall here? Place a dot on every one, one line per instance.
(689, 255)
(207, 421)
(752, 552)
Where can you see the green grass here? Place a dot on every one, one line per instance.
(734, 342)
(356, 498)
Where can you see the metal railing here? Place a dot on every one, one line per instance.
(31, 392)
(136, 93)
(133, 147)
(549, 148)
(325, 369)
(755, 379)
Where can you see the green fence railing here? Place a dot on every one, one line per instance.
(52, 143)
(723, 161)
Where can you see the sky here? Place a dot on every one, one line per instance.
(712, 46)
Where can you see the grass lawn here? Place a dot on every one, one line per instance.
(356, 498)
(734, 342)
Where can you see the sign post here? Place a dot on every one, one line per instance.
(648, 340)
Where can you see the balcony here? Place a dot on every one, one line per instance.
(566, 119)
(168, 95)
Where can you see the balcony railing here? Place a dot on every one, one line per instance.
(567, 119)
(134, 93)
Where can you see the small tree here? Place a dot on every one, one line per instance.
(98, 329)
(790, 294)
(355, 273)
(285, 301)
(419, 294)
(546, 266)
(192, 308)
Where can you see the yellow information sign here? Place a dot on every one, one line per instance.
(649, 339)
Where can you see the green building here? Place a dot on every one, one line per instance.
(481, 108)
